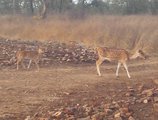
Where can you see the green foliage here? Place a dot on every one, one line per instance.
(85, 6)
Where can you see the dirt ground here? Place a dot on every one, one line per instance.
(26, 92)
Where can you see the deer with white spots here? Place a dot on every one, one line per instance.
(119, 55)
(32, 55)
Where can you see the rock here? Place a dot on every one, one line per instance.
(145, 101)
(129, 94)
(98, 116)
(43, 119)
(128, 114)
(148, 92)
(156, 99)
(124, 110)
(156, 90)
(68, 60)
(140, 88)
(106, 106)
(71, 117)
(118, 118)
(130, 89)
(28, 118)
(88, 110)
(139, 101)
(71, 110)
(64, 59)
(131, 118)
(117, 115)
(156, 81)
(87, 118)
(108, 111)
(114, 106)
(155, 106)
(58, 114)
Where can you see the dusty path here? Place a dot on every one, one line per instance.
(22, 92)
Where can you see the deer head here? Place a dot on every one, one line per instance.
(141, 54)
(40, 50)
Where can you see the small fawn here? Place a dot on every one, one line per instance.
(119, 55)
(31, 55)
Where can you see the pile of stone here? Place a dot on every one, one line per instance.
(69, 53)
(54, 52)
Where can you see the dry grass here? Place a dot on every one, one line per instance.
(127, 32)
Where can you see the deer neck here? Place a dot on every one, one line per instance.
(133, 56)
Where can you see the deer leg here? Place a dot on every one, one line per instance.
(23, 64)
(17, 65)
(98, 63)
(29, 64)
(118, 67)
(125, 66)
(36, 62)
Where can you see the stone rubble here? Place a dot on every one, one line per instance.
(55, 52)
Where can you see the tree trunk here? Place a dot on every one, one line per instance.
(60, 6)
(83, 9)
(31, 7)
(44, 9)
(15, 6)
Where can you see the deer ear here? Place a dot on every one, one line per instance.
(140, 51)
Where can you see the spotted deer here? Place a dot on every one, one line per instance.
(32, 55)
(119, 55)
